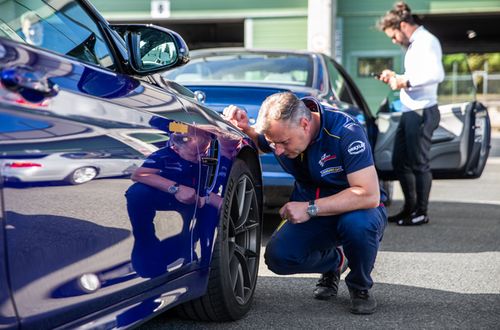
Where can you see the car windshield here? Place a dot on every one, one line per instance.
(267, 68)
(60, 26)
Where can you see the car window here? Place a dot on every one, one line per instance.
(61, 26)
(339, 86)
(263, 68)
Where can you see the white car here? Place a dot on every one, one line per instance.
(72, 167)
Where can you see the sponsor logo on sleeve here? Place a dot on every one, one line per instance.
(350, 124)
(356, 147)
(331, 170)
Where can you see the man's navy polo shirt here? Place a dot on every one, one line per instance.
(173, 167)
(340, 148)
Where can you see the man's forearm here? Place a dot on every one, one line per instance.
(350, 199)
(252, 133)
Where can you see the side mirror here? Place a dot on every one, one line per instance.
(152, 48)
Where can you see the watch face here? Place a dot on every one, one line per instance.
(173, 189)
(312, 210)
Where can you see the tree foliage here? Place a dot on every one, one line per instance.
(477, 62)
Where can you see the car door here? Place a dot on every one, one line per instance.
(347, 96)
(75, 251)
(8, 319)
(460, 145)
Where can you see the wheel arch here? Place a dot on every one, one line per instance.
(249, 156)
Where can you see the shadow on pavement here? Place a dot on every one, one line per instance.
(287, 303)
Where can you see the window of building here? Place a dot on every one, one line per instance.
(367, 66)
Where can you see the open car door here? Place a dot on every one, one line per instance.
(461, 143)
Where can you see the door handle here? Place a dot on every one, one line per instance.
(31, 85)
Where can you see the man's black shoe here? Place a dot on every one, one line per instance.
(328, 284)
(415, 219)
(362, 302)
(399, 216)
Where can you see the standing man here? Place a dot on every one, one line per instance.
(418, 86)
(336, 199)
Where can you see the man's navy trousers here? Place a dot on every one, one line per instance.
(310, 247)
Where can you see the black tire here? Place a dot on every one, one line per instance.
(235, 260)
(82, 175)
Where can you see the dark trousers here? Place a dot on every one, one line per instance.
(410, 158)
(310, 247)
(150, 255)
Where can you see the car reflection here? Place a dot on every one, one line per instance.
(71, 167)
(54, 150)
(167, 181)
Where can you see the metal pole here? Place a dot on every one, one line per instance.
(485, 79)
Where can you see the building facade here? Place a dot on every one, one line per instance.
(344, 29)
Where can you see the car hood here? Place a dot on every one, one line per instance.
(247, 96)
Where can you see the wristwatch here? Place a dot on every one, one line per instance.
(173, 189)
(312, 209)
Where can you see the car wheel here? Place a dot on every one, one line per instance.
(235, 260)
(82, 175)
(388, 187)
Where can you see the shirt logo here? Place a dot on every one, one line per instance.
(326, 158)
(356, 147)
(331, 170)
(349, 125)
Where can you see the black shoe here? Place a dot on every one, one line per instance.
(404, 213)
(362, 302)
(328, 284)
(415, 219)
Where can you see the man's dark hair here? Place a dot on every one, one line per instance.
(400, 12)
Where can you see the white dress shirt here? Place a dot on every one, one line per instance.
(423, 69)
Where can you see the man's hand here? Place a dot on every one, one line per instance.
(397, 82)
(186, 195)
(386, 75)
(295, 212)
(394, 80)
(237, 117)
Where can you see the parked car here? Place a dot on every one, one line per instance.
(245, 77)
(185, 232)
(71, 167)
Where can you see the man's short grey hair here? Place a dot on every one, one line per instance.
(285, 107)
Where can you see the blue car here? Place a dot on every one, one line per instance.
(177, 223)
(245, 77)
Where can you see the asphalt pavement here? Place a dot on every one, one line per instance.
(443, 275)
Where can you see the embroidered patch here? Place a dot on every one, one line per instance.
(331, 170)
(326, 158)
(349, 125)
(356, 147)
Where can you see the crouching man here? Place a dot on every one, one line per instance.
(335, 218)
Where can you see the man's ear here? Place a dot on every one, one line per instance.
(403, 26)
(305, 124)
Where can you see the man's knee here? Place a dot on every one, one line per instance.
(139, 193)
(279, 260)
(360, 225)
